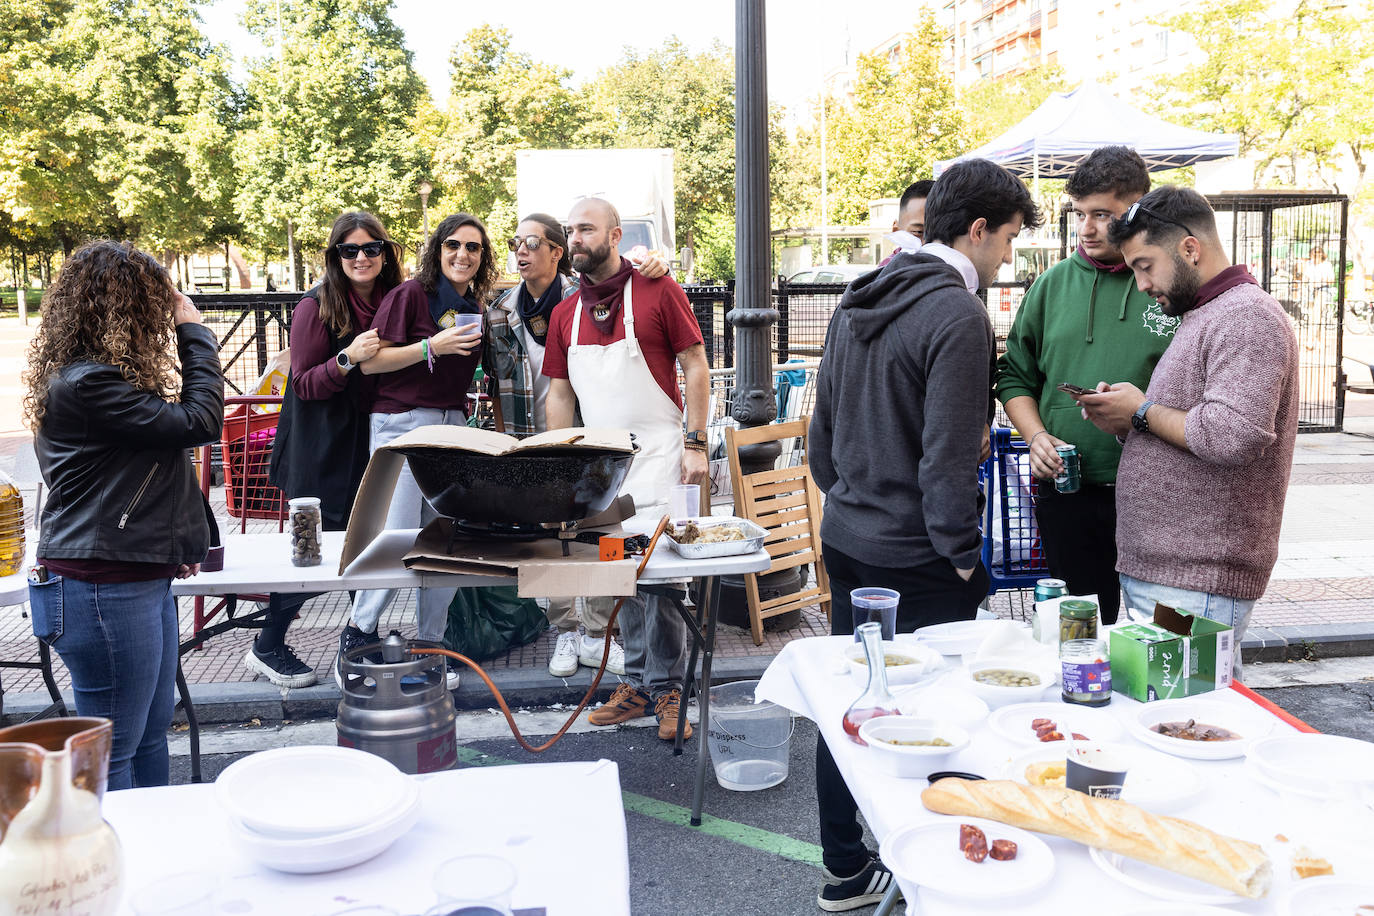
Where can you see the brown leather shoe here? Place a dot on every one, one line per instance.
(668, 708)
(625, 704)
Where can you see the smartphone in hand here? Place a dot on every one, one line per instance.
(1074, 389)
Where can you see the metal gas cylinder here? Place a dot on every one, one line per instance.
(400, 708)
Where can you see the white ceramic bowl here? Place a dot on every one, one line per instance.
(995, 695)
(940, 702)
(1325, 764)
(911, 762)
(308, 855)
(925, 662)
(1249, 724)
(295, 791)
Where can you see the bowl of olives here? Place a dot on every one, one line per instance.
(906, 660)
(1002, 681)
(912, 748)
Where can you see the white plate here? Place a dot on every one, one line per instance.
(1158, 883)
(1154, 781)
(309, 855)
(957, 637)
(310, 791)
(1014, 722)
(1306, 762)
(1250, 725)
(928, 854)
(936, 702)
(1327, 896)
(1179, 909)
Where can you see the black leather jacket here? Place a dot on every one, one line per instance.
(114, 458)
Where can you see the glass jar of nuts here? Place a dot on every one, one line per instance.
(303, 516)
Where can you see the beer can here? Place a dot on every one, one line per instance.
(1045, 589)
(1070, 478)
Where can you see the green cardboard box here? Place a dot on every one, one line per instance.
(1178, 655)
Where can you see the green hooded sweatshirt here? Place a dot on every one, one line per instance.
(1082, 324)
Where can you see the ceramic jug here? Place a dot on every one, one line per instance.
(57, 854)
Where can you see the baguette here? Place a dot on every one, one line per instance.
(1115, 826)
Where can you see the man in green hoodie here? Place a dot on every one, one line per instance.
(1081, 321)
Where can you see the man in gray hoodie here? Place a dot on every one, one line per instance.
(903, 402)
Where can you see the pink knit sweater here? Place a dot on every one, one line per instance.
(1208, 519)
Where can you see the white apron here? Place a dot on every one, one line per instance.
(615, 388)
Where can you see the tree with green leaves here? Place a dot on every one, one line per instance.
(115, 121)
(992, 106)
(329, 123)
(500, 101)
(901, 120)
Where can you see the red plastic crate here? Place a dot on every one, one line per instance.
(247, 447)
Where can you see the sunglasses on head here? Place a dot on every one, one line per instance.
(1138, 208)
(531, 242)
(348, 251)
(455, 245)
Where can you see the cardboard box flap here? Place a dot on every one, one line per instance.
(1181, 623)
(486, 442)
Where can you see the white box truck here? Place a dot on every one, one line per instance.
(638, 182)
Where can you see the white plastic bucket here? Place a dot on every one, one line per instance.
(749, 741)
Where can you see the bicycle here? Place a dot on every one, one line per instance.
(1359, 316)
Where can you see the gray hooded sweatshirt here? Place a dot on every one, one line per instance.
(903, 396)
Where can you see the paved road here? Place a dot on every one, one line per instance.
(757, 854)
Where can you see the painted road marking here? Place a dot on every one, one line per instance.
(742, 834)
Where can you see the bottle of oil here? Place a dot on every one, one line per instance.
(11, 527)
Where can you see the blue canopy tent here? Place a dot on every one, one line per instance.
(1053, 139)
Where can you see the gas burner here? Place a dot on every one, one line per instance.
(502, 531)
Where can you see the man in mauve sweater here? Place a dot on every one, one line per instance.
(1209, 445)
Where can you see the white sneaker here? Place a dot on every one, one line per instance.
(451, 673)
(564, 660)
(590, 655)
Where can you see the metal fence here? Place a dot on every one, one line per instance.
(251, 328)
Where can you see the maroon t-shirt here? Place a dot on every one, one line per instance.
(313, 376)
(404, 318)
(664, 327)
(108, 572)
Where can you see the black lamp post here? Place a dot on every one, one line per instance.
(753, 314)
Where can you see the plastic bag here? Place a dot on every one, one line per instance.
(486, 622)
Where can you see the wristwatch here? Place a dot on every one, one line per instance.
(695, 436)
(1138, 421)
(344, 362)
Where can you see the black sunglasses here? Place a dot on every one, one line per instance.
(1137, 208)
(348, 251)
(454, 245)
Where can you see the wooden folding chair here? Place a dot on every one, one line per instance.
(786, 503)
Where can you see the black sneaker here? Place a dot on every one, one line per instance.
(350, 639)
(280, 666)
(864, 889)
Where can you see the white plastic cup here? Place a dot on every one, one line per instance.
(475, 882)
(466, 322)
(684, 501)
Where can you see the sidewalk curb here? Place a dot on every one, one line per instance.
(245, 700)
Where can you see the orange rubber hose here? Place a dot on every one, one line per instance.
(596, 681)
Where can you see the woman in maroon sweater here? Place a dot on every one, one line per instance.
(322, 447)
(430, 337)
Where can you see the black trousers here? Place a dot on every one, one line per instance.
(931, 593)
(1078, 532)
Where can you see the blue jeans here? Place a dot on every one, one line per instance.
(119, 641)
(1234, 612)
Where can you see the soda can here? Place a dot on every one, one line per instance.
(1045, 589)
(1069, 478)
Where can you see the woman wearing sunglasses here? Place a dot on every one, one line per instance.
(517, 325)
(322, 443)
(430, 336)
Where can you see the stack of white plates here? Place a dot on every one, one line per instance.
(314, 809)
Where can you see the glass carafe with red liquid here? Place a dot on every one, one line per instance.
(876, 700)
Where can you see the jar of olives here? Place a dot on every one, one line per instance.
(1077, 620)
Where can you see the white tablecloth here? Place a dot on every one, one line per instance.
(806, 678)
(503, 811)
(261, 563)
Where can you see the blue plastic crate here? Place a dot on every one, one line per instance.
(1012, 551)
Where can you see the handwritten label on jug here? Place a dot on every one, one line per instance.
(82, 893)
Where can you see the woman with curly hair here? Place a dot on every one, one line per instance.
(428, 356)
(322, 444)
(125, 514)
